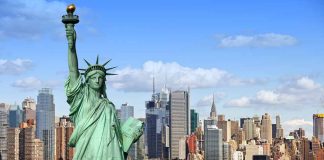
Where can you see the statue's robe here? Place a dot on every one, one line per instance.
(96, 135)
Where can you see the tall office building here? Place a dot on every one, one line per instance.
(179, 120)
(29, 109)
(4, 113)
(249, 128)
(279, 129)
(213, 143)
(45, 118)
(13, 143)
(157, 133)
(225, 126)
(126, 111)
(29, 146)
(318, 126)
(15, 116)
(194, 120)
(63, 133)
(266, 128)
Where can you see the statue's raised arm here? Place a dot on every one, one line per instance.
(69, 20)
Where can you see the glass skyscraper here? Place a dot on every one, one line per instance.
(15, 116)
(45, 118)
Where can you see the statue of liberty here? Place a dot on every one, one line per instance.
(98, 134)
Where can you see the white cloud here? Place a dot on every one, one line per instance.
(307, 83)
(174, 75)
(14, 66)
(260, 40)
(301, 92)
(33, 83)
(240, 102)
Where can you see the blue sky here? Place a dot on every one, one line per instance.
(256, 57)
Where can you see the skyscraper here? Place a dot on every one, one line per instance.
(279, 129)
(266, 128)
(126, 111)
(3, 130)
(29, 109)
(15, 116)
(13, 143)
(179, 120)
(157, 125)
(249, 128)
(29, 146)
(213, 114)
(213, 143)
(318, 126)
(194, 120)
(63, 133)
(45, 118)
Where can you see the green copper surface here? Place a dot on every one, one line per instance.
(98, 134)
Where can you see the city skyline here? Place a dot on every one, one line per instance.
(254, 59)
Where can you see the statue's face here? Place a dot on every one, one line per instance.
(96, 81)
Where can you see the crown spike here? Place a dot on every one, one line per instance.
(87, 62)
(111, 74)
(106, 62)
(111, 68)
(97, 61)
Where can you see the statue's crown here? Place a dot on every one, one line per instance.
(97, 67)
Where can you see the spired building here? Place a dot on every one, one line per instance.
(45, 118)
(213, 139)
(318, 126)
(157, 125)
(179, 120)
(63, 133)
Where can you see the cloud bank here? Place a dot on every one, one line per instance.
(260, 40)
(175, 76)
(14, 66)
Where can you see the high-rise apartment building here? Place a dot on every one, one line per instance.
(318, 126)
(225, 126)
(279, 129)
(4, 113)
(266, 128)
(29, 109)
(249, 128)
(13, 143)
(64, 131)
(179, 120)
(29, 147)
(252, 149)
(45, 118)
